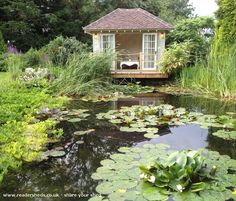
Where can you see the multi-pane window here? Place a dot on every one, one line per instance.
(108, 42)
(149, 50)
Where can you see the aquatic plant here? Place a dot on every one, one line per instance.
(226, 135)
(181, 171)
(214, 77)
(22, 136)
(85, 74)
(147, 119)
(120, 175)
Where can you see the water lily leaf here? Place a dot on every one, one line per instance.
(53, 153)
(121, 175)
(75, 120)
(151, 135)
(84, 132)
(227, 135)
(96, 198)
(116, 121)
(152, 194)
(105, 188)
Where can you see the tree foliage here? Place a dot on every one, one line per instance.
(226, 27)
(33, 23)
(198, 30)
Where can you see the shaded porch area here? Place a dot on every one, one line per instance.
(137, 74)
(136, 51)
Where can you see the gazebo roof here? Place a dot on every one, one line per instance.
(128, 19)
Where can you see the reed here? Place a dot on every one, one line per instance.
(216, 76)
(85, 74)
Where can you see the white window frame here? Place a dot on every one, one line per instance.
(155, 57)
(114, 42)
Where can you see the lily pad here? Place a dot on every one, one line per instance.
(120, 176)
(147, 119)
(75, 120)
(52, 153)
(227, 135)
(84, 132)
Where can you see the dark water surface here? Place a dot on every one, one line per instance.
(69, 178)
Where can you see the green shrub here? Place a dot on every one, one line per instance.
(20, 138)
(32, 59)
(3, 62)
(199, 31)
(60, 49)
(176, 57)
(3, 47)
(85, 74)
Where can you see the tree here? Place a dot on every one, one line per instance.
(33, 23)
(198, 30)
(18, 19)
(226, 26)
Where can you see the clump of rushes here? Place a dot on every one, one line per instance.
(214, 77)
(182, 171)
(85, 74)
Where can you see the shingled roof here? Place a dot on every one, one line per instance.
(128, 19)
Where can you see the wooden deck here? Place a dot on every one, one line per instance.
(137, 74)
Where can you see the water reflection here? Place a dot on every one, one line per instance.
(72, 173)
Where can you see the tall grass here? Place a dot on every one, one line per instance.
(86, 74)
(15, 65)
(216, 76)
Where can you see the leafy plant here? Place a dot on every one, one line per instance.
(198, 30)
(120, 175)
(3, 46)
(22, 137)
(60, 49)
(3, 65)
(225, 32)
(176, 57)
(33, 59)
(181, 171)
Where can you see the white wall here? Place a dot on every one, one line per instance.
(160, 44)
(96, 43)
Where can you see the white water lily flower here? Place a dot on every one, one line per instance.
(179, 188)
(143, 176)
(152, 179)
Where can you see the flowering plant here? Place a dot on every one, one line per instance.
(182, 170)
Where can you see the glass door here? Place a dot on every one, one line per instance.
(149, 51)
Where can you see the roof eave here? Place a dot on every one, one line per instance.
(131, 30)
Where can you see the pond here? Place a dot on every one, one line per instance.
(69, 177)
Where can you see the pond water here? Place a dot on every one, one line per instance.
(69, 177)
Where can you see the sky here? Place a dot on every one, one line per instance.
(204, 7)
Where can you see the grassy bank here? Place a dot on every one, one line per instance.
(216, 77)
(22, 136)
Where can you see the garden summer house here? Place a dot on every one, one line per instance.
(138, 38)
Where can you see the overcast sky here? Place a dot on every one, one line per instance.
(204, 7)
